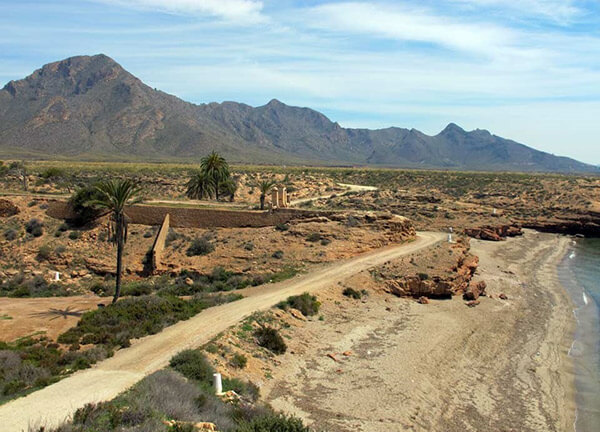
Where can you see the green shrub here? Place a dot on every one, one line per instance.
(269, 338)
(44, 253)
(313, 237)
(82, 204)
(325, 242)
(239, 361)
(423, 276)
(193, 365)
(305, 303)
(63, 227)
(282, 227)
(134, 317)
(243, 388)
(273, 423)
(278, 254)
(52, 172)
(34, 227)
(249, 246)
(74, 235)
(200, 246)
(352, 293)
(10, 234)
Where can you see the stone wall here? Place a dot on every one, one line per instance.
(181, 217)
(155, 253)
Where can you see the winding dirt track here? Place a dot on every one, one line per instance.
(54, 404)
(349, 188)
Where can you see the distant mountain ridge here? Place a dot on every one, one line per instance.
(90, 107)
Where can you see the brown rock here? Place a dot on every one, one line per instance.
(206, 426)
(297, 314)
(332, 357)
(503, 296)
(423, 300)
(7, 208)
(472, 303)
(347, 353)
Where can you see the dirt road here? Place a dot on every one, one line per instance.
(349, 188)
(56, 403)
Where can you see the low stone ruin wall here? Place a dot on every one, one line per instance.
(182, 217)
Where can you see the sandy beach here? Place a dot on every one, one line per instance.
(501, 366)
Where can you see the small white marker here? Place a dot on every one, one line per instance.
(217, 383)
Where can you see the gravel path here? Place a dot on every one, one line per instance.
(55, 404)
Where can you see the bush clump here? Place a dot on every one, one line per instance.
(269, 338)
(352, 293)
(34, 227)
(239, 361)
(74, 235)
(278, 254)
(192, 365)
(200, 246)
(305, 303)
(282, 227)
(115, 325)
(22, 286)
(82, 204)
(10, 234)
(313, 237)
(273, 423)
(44, 253)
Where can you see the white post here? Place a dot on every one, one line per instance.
(494, 211)
(217, 383)
(56, 276)
(449, 238)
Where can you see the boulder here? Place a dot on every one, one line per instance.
(474, 290)
(7, 208)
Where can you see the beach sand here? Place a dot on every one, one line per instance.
(500, 366)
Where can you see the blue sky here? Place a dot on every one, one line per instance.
(527, 70)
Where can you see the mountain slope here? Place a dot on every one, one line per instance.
(90, 107)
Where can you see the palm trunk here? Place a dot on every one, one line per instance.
(262, 201)
(120, 244)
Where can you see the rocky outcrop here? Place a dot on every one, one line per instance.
(7, 208)
(458, 280)
(494, 233)
(586, 224)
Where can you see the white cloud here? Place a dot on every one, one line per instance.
(238, 10)
(560, 11)
(412, 24)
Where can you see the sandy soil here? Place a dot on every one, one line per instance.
(51, 316)
(55, 403)
(501, 366)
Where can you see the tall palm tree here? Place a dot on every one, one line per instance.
(216, 169)
(114, 196)
(264, 187)
(199, 186)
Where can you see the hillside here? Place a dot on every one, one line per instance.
(91, 108)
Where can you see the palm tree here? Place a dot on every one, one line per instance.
(265, 186)
(216, 169)
(199, 186)
(229, 188)
(114, 196)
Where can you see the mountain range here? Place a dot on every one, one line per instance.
(89, 107)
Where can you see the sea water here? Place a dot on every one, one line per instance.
(579, 273)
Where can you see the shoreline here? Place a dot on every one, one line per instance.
(584, 347)
(502, 365)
